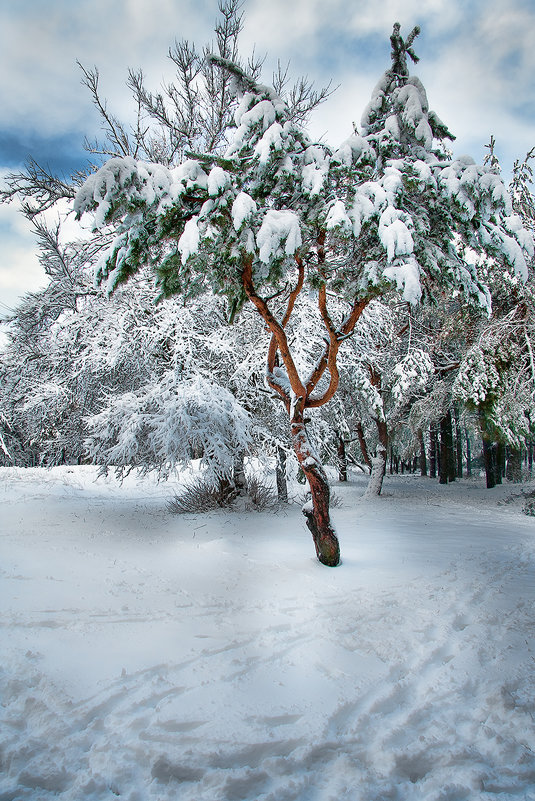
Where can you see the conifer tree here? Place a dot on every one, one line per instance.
(496, 375)
(388, 211)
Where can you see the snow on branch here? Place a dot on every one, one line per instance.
(163, 425)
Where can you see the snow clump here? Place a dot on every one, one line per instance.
(278, 227)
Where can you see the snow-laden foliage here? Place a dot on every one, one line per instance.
(56, 375)
(521, 189)
(495, 379)
(162, 426)
(412, 374)
(479, 377)
(394, 206)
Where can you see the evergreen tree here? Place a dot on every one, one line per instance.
(277, 212)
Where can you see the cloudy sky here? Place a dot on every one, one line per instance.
(477, 64)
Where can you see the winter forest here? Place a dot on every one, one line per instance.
(245, 291)
(252, 322)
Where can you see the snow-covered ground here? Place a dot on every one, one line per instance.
(204, 658)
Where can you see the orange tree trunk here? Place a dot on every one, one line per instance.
(301, 395)
(316, 512)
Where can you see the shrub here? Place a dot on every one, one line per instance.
(262, 496)
(199, 495)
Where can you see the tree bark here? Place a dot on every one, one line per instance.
(301, 395)
(488, 460)
(240, 482)
(280, 475)
(375, 483)
(458, 442)
(432, 451)
(514, 466)
(342, 457)
(452, 471)
(443, 471)
(500, 462)
(316, 512)
(363, 446)
(489, 456)
(468, 454)
(423, 460)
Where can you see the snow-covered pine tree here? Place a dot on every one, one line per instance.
(247, 222)
(277, 212)
(441, 220)
(521, 188)
(496, 375)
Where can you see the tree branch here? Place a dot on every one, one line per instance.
(278, 332)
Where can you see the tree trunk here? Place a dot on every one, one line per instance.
(514, 466)
(423, 460)
(342, 457)
(500, 462)
(363, 446)
(280, 474)
(316, 511)
(458, 442)
(375, 483)
(240, 482)
(468, 454)
(443, 471)
(432, 451)
(489, 458)
(450, 452)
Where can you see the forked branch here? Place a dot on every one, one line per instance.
(278, 332)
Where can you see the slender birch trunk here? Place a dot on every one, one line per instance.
(375, 484)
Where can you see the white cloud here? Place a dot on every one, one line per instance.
(41, 42)
(333, 120)
(20, 270)
(433, 15)
(281, 25)
(477, 60)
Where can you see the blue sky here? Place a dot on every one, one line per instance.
(477, 63)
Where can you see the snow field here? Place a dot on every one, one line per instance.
(153, 656)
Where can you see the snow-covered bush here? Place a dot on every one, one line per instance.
(200, 495)
(164, 424)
